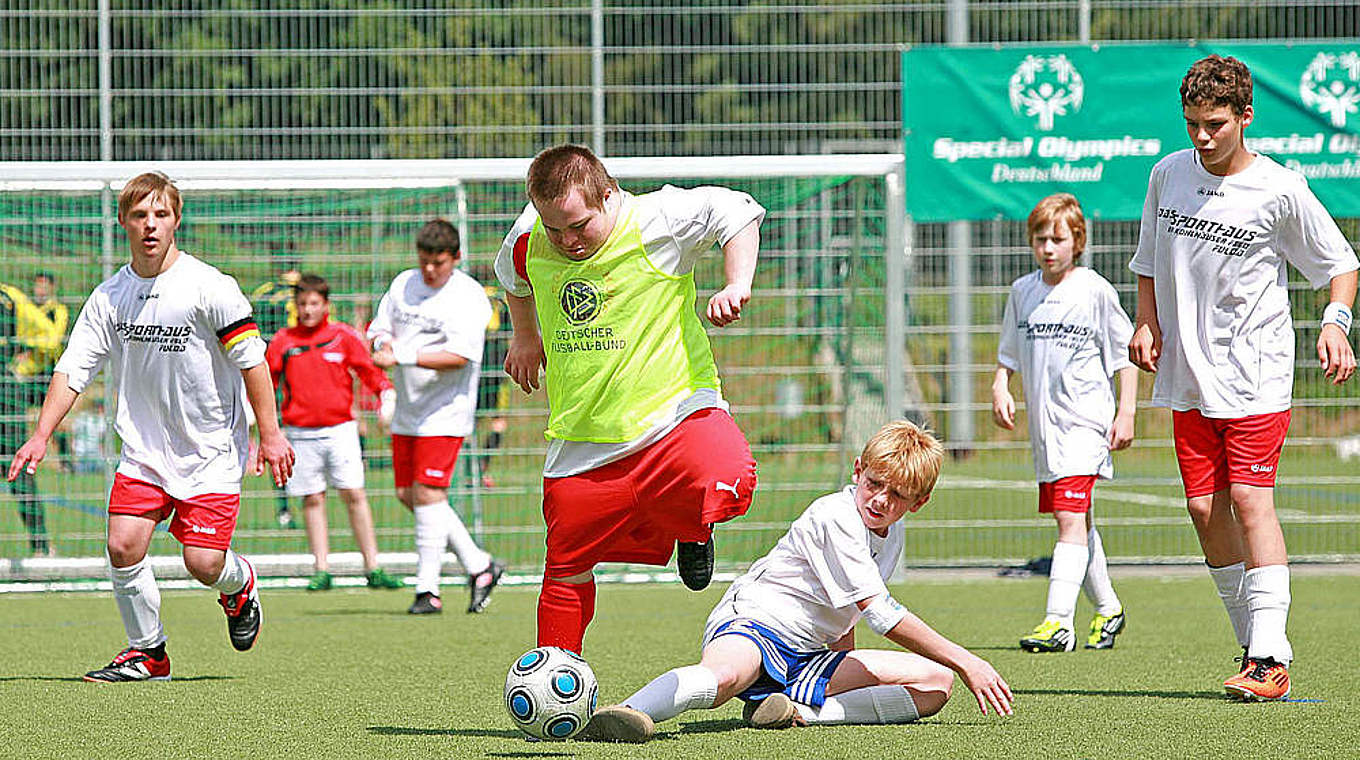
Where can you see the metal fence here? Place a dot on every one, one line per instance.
(129, 79)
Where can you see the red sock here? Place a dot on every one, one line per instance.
(564, 611)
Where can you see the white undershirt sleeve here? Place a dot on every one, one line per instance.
(504, 267)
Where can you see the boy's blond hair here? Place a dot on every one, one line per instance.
(1060, 207)
(150, 183)
(905, 457)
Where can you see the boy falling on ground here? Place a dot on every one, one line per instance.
(782, 639)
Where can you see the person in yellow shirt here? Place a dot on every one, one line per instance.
(643, 456)
(17, 379)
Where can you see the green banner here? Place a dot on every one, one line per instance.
(990, 131)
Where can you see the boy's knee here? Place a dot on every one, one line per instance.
(1201, 509)
(205, 568)
(124, 551)
(933, 691)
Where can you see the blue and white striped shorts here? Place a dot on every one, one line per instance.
(800, 675)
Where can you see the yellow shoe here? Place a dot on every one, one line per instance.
(1103, 630)
(1049, 636)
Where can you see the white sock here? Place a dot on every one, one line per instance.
(1097, 585)
(139, 603)
(1228, 579)
(235, 574)
(693, 687)
(870, 705)
(432, 531)
(1267, 592)
(1064, 581)
(473, 558)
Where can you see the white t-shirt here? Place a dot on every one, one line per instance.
(1066, 341)
(181, 407)
(805, 589)
(678, 226)
(434, 402)
(1217, 247)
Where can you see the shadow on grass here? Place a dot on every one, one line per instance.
(1214, 695)
(482, 732)
(710, 727)
(409, 731)
(78, 679)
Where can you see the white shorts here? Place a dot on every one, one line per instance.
(328, 456)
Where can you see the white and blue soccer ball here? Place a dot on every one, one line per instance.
(550, 693)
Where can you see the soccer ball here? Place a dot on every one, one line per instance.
(550, 693)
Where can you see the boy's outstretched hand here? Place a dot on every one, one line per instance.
(987, 685)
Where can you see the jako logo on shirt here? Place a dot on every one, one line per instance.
(1262, 468)
(1074, 494)
(203, 530)
(433, 473)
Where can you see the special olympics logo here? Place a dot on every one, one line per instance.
(1331, 85)
(580, 301)
(1046, 86)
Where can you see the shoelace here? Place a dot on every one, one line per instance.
(1259, 669)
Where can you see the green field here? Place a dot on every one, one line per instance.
(347, 674)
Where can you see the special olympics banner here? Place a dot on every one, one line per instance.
(989, 131)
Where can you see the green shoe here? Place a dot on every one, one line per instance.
(378, 578)
(320, 581)
(1103, 630)
(1049, 636)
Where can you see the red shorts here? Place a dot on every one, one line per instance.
(206, 520)
(1070, 494)
(1214, 453)
(635, 509)
(426, 459)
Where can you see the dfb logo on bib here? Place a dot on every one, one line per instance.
(580, 301)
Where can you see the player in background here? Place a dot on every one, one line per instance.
(178, 337)
(18, 378)
(429, 328)
(276, 309)
(1214, 323)
(783, 637)
(1066, 334)
(642, 451)
(493, 390)
(314, 365)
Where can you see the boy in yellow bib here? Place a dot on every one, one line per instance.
(642, 452)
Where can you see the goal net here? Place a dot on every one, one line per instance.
(807, 369)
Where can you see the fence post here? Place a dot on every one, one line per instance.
(597, 74)
(105, 80)
(958, 238)
(895, 290)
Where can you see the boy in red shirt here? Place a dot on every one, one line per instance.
(313, 364)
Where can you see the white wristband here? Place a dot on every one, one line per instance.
(1337, 314)
(406, 355)
(883, 614)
